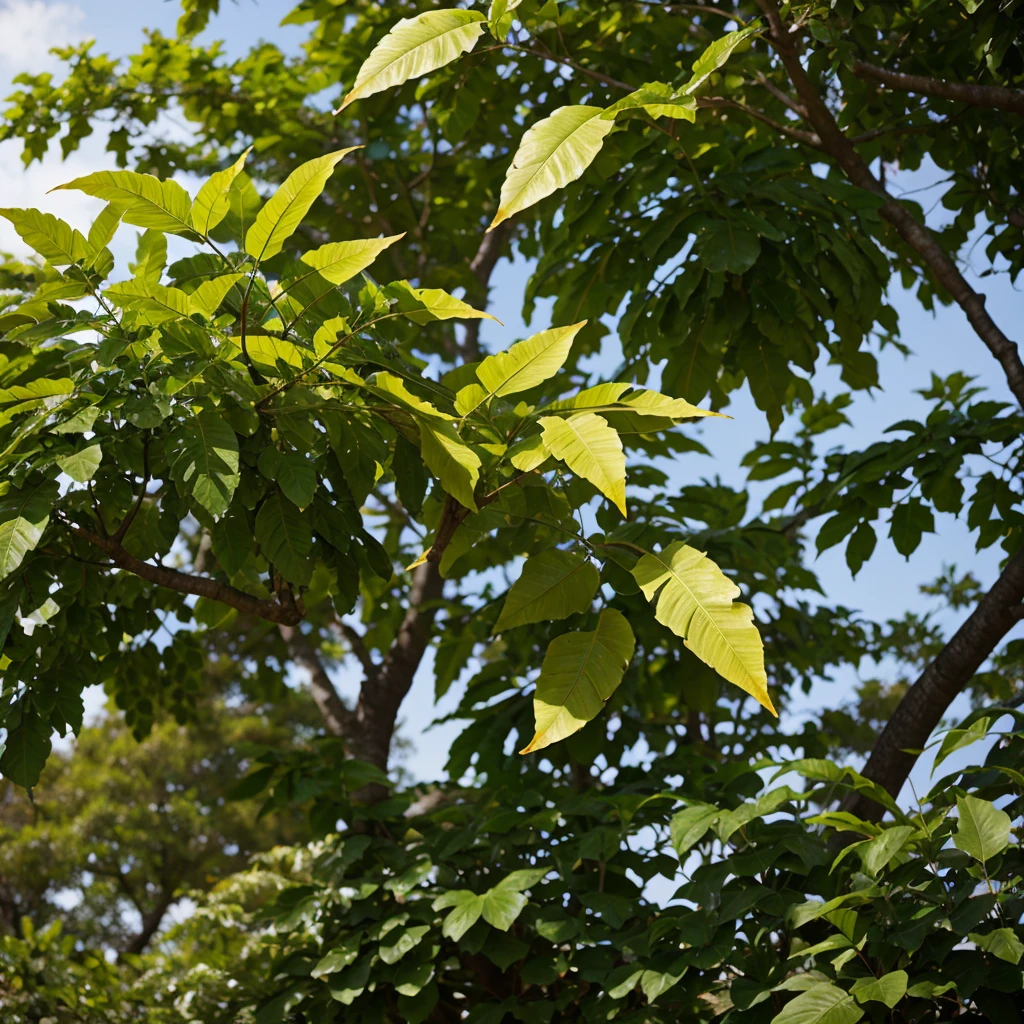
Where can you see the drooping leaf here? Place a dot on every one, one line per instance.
(552, 153)
(284, 210)
(983, 830)
(553, 585)
(148, 202)
(26, 750)
(525, 365)
(231, 538)
(51, 237)
(580, 672)
(695, 599)
(212, 202)
(957, 739)
(415, 47)
(204, 461)
(24, 513)
(338, 262)
(591, 449)
(452, 461)
(285, 537)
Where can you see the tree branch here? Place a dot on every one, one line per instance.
(301, 649)
(720, 102)
(996, 97)
(482, 266)
(355, 642)
(286, 614)
(915, 234)
(924, 704)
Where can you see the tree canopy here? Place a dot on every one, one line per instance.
(289, 451)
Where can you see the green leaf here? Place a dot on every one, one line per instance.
(695, 599)
(284, 210)
(82, 465)
(553, 152)
(501, 907)
(338, 958)
(957, 739)
(468, 908)
(553, 585)
(206, 299)
(717, 54)
(24, 514)
(389, 386)
(293, 473)
(428, 305)
(54, 240)
(888, 989)
(591, 449)
(909, 521)
(285, 537)
(270, 354)
(415, 47)
(1002, 942)
(823, 1004)
(580, 672)
(725, 246)
(499, 17)
(529, 454)
(525, 365)
(338, 262)
(231, 538)
(876, 853)
(150, 257)
(407, 939)
(656, 99)
(983, 830)
(204, 461)
(212, 201)
(452, 461)
(26, 749)
(148, 202)
(690, 825)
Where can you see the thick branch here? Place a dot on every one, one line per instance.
(338, 718)
(997, 97)
(915, 234)
(482, 265)
(286, 614)
(151, 921)
(924, 704)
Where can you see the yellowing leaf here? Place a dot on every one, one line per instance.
(525, 365)
(415, 47)
(148, 202)
(391, 386)
(553, 152)
(552, 585)
(591, 449)
(580, 672)
(283, 211)
(452, 461)
(694, 598)
(212, 201)
(340, 261)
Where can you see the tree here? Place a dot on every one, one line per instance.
(738, 260)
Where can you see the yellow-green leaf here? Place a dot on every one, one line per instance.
(206, 299)
(525, 365)
(591, 449)
(580, 672)
(212, 201)
(269, 353)
(54, 239)
(24, 515)
(552, 585)
(148, 202)
(982, 830)
(425, 305)
(283, 211)
(553, 152)
(82, 465)
(529, 454)
(656, 99)
(415, 47)
(390, 386)
(452, 461)
(695, 599)
(717, 54)
(338, 262)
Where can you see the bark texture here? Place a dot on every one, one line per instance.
(996, 97)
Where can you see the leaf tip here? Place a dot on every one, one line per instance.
(499, 218)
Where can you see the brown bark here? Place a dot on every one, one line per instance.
(482, 265)
(924, 704)
(996, 97)
(915, 234)
(151, 921)
(338, 719)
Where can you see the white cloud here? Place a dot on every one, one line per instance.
(29, 28)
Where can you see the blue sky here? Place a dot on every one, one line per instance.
(944, 343)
